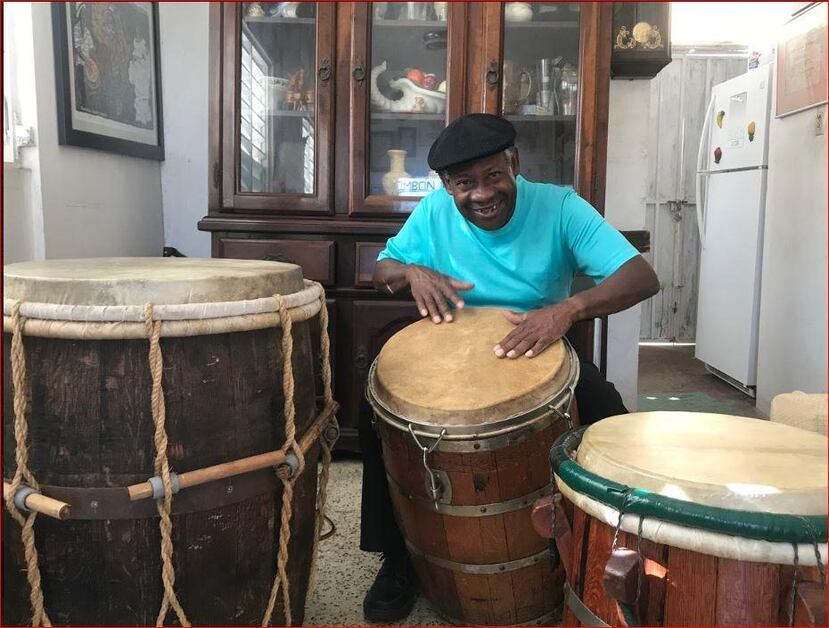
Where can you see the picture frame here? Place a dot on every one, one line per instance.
(800, 67)
(108, 77)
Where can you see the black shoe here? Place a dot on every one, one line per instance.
(394, 591)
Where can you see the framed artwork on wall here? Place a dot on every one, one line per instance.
(801, 62)
(108, 76)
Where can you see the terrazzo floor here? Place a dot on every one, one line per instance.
(345, 572)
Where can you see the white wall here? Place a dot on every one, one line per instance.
(184, 62)
(792, 346)
(625, 193)
(75, 202)
(95, 203)
(18, 231)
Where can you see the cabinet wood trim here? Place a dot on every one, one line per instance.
(321, 202)
(315, 256)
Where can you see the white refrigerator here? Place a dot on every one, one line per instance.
(732, 170)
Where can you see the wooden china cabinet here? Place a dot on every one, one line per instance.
(322, 114)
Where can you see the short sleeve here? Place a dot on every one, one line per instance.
(598, 249)
(411, 244)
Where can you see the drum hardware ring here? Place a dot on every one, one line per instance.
(287, 469)
(565, 416)
(158, 485)
(331, 433)
(435, 488)
(20, 497)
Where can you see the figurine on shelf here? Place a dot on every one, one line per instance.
(654, 39)
(294, 98)
(255, 9)
(310, 95)
(415, 98)
(624, 40)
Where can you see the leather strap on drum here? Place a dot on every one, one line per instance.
(810, 529)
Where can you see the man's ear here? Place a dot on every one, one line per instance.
(514, 161)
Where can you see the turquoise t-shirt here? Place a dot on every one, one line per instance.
(528, 263)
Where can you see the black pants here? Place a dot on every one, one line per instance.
(596, 398)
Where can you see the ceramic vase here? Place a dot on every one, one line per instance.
(397, 169)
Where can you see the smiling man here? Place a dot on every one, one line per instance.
(492, 238)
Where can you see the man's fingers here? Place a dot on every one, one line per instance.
(457, 284)
(520, 349)
(451, 295)
(510, 340)
(432, 307)
(540, 345)
(516, 318)
(421, 307)
(443, 307)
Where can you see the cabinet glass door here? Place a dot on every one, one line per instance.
(281, 105)
(405, 91)
(540, 86)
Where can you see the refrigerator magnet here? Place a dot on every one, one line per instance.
(751, 129)
(717, 155)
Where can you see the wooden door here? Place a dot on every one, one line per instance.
(397, 110)
(679, 97)
(277, 107)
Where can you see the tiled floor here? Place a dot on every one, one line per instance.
(345, 572)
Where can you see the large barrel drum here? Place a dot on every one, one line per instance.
(91, 434)
(465, 438)
(723, 521)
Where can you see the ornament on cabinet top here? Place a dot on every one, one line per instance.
(641, 39)
(416, 98)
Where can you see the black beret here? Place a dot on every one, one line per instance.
(469, 137)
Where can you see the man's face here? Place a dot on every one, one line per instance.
(485, 190)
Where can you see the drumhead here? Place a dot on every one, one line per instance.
(448, 374)
(717, 460)
(141, 280)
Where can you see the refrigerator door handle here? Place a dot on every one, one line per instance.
(702, 159)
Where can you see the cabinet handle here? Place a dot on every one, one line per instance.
(324, 72)
(361, 358)
(493, 74)
(359, 72)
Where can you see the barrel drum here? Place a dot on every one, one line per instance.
(465, 440)
(92, 431)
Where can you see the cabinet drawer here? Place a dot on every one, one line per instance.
(315, 256)
(366, 258)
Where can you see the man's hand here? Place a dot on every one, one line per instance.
(535, 331)
(432, 292)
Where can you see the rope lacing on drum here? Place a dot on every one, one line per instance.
(796, 572)
(22, 471)
(793, 592)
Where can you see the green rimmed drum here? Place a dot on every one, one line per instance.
(723, 521)
(466, 440)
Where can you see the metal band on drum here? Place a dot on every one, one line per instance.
(477, 510)
(471, 438)
(480, 569)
